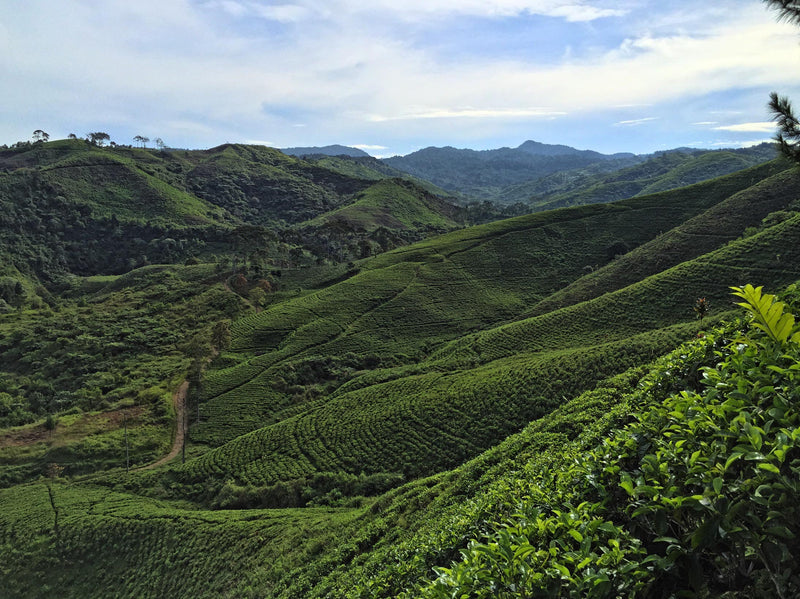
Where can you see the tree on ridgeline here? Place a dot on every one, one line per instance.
(141, 139)
(788, 136)
(40, 135)
(98, 138)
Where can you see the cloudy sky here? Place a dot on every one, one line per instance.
(393, 76)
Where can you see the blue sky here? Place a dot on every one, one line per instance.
(395, 76)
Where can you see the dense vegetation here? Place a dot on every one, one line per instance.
(493, 411)
(545, 176)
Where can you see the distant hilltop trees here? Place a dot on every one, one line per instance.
(96, 138)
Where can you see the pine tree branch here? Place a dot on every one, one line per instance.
(788, 136)
(788, 10)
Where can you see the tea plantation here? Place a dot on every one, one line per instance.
(529, 407)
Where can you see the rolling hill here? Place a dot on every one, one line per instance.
(546, 176)
(72, 207)
(483, 174)
(334, 150)
(448, 404)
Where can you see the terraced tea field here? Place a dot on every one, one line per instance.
(442, 361)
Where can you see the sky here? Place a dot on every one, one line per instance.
(391, 77)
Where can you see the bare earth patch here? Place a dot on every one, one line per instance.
(30, 435)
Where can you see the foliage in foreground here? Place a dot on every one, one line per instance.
(696, 497)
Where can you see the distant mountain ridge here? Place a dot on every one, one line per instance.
(541, 149)
(483, 173)
(522, 174)
(333, 150)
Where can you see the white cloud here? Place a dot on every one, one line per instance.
(236, 9)
(366, 147)
(471, 113)
(742, 144)
(705, 123)
(635, 122)
(764, 127)
(196, 71)
(575, 10)
(284, 13)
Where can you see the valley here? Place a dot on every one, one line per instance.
(393, 386)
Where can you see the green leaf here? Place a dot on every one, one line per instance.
(627, 484)
(733, 457)
(584, 562)
(705, 534)
(562, 569)
(670, 540)
(769, 467)
(780, 531)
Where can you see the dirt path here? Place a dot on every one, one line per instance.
(181, 420)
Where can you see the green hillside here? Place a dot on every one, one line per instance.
(492, 411)
(765, 203)
(72, 207)
(63, 531)
(484, 174)
(373, 169)
(264, 186)
(393, 204)
(297, 368)
(663, 172)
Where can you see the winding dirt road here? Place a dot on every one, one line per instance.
(181, 417)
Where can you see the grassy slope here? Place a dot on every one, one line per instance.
(661, 173)
(371, 169)
(381, 551)
(469, 392)
(391, 203)
(113, 183)
(117, 355)
(712, 229)
(482, 387)
(406, 302)
(113, 542)
(81, 541)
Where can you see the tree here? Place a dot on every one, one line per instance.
(257, 296)
(72, 136)
(788, 136)
(98, 138)
(239, 284)
(701, 308)
(221, 334)
(789, 10)
(50, 423)
(160, 143)
(141, 139)
(40, 135)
